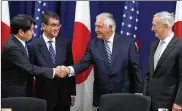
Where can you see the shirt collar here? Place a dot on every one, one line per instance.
(168, 38)
(111, 39)
(23, 42)
(46, 39)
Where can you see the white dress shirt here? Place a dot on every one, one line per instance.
(23, 42)
(160, 48)
(110, 43)
(166, 42)
(47, 43)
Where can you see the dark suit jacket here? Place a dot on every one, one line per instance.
(164, 85)
(124, 75)
(16, 68)
(57, 88)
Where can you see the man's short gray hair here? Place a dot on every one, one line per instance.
(166, 17)
(108, 19)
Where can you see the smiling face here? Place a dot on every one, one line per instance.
(102, 30)
(158, 28)
(52, 28)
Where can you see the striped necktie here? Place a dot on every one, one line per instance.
(52, 52)
(108, 50)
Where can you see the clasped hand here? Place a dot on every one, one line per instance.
(62, 71)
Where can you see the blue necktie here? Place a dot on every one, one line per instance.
(108, 50)
(26, 50)
(52, 52)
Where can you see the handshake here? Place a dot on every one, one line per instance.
(62, 71)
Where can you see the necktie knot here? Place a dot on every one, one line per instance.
(106, 42)
(162, 42)
(50, 42)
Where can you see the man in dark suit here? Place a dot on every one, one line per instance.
(51, 50)
(15, 59)
(164, 76)
(117, 67)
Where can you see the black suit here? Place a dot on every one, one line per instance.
(164, 84)
(57, 92)
(16, 68)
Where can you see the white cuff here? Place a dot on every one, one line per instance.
(54, 72)
(72, 72)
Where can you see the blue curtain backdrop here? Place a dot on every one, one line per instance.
(66, 11)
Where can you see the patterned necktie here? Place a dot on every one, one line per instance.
(52, 52)
(26, 50)
(158, 53)
(108, 50)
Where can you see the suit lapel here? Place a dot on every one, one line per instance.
(168, 49)
(44, 50)
(59, 51)
(115, 49)
(103, 53)
(154, 47)
(20, 45)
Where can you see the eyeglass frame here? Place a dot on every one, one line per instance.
(54, 25)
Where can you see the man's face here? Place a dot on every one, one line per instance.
(52, 28)
(26, 36)
(101, 30)
(158, 28)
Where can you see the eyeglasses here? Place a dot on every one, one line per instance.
(54, 25)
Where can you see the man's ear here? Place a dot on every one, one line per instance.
(166, 26)
(20, 32)
(110, 27)
(43, 26)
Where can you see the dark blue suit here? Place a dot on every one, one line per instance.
(124, 74)
(58, 91)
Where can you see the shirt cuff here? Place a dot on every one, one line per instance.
(72, 72)
(54, 72)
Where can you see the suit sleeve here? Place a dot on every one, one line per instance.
(147, 76)
(146, 82)
(31, 78)
(15, 56)
(85, 62)
(70, 62)
(135, 67)
(178, 99)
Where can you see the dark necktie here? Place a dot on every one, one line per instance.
(108, 50)
(26, 50)
(52, 52)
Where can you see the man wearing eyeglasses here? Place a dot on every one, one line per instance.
(51, 50)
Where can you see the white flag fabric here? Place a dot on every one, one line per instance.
(178, 19)
(81, 37)
(5, 23)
